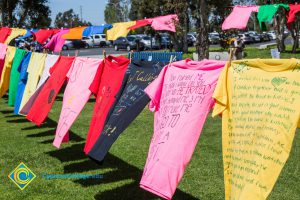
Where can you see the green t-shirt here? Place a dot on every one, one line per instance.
(267, 12)
(14, 76)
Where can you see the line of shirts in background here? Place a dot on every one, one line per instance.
(55, 38)
(258, 101)
(239, 17)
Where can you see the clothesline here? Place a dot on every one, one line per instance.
(239, 17)
(114, 31)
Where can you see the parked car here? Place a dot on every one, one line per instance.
(272, 35)
(146, 41)
(255, 36)
(67, 45)
(138, 36)
(191, 40)
(127, 43)
(214, 38)
(165, 42)
(74, 44)
(36, 46)
(265, 37)
(89, 42)
(192, 37)
(99, 40)
(21, 43)
(246, 38)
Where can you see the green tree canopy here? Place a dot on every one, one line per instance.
(117, 11)
(69, 19)
(25, 13)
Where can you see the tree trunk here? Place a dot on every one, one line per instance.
(9, 14)
(186, 29)
(202, 45)
(280, 22)
(295, 33)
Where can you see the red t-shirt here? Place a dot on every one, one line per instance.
(43, 34)
(44, 101)
(105, 86)
(4, 33)
(294, 9)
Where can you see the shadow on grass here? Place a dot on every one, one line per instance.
(4, 112)
(20, 120)
(49, 123)
(118, 170)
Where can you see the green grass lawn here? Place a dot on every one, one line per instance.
(252, 52)
(122, 169)
(21, 141)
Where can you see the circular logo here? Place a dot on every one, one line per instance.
(217, 57)
(21, 176)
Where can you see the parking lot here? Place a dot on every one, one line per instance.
(98, 51)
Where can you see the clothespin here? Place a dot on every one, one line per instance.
(171, 59)
(130, 55)
(76, 53)
(45, 51)
(104, 55)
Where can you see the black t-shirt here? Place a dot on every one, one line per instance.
(130, 101)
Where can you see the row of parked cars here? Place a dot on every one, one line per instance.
(144, 42)
(254, 37)
(247, 37)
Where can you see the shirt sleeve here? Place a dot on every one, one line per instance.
(52, 69)
(220, 95)
(94, 87)
(154, 90)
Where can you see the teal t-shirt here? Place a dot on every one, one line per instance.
(14, 76)
(267, 12)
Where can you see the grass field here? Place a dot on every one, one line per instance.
(253, 52)
(21, 141)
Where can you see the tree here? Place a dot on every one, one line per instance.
(117, 11)
(189, 12)
(280, 21)
(200, 13)
(25, 13)
(69, 19)
(295, 27)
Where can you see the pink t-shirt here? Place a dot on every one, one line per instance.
(181, 98)
(239, 17)
(165, 23)
(57, 42)
(3, 48)
(76, 95)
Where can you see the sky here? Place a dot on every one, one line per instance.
(92, 10)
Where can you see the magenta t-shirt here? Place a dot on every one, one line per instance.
(239, 17)
(181, 98)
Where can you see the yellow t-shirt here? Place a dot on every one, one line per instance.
(35, 69)
(119, 30)
(15, 32)
(259, 101)
(4, 82)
